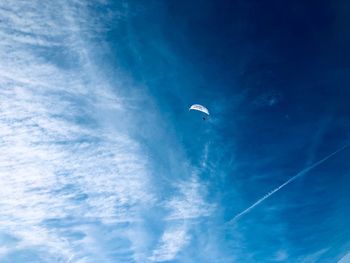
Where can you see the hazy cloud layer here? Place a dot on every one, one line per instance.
(67, 174)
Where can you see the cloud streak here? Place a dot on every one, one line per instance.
(172, 241)
(184, 209)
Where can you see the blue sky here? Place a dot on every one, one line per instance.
(102, 161)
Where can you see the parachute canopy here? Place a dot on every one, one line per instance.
(199, 107)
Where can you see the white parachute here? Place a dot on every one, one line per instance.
(200, 108)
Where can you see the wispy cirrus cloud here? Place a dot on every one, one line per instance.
(75, 182)
(185, 208)
(189, 203)
(61, 168)
(172, 241)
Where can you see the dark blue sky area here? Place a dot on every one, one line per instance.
(279, 69)
(296, 53)
(275, 76)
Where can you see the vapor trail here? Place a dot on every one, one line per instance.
(302, 172)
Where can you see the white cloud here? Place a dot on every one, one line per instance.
(58, 160)
(172, 241)
(189, 203)
(69, 165)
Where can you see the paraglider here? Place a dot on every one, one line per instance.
(200, 108)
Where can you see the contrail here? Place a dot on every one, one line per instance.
(302, 172)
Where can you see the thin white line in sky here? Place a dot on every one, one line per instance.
(302, 172)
